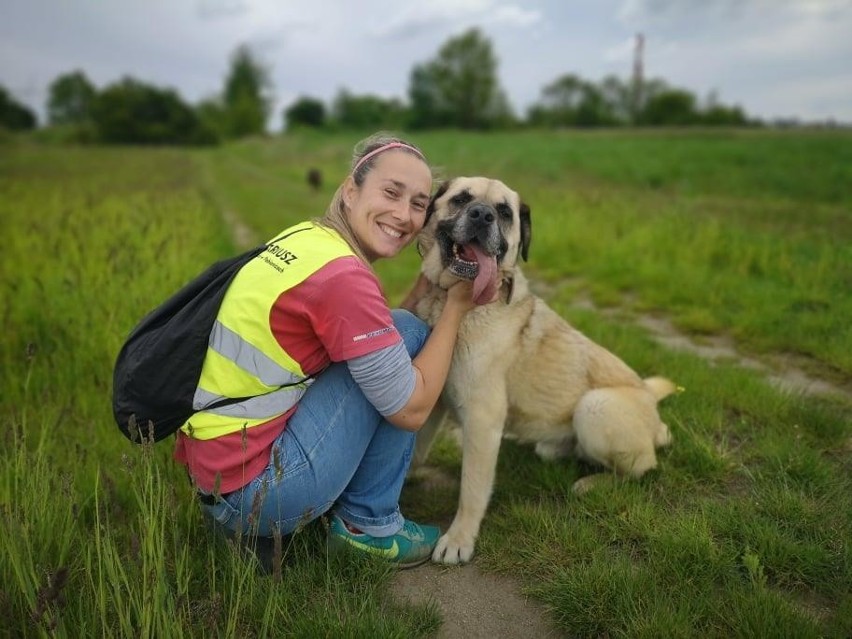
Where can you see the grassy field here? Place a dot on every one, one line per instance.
(744, 531)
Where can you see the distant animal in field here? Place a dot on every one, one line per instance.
(314, 178)
(518, 368)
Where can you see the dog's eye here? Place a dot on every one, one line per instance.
(505, 211)
(460, 199)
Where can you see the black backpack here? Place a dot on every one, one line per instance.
(157, 370)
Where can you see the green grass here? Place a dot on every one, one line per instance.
(743, 531)
(746, 234)
(98, 537)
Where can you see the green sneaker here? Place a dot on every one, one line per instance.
(411, 546)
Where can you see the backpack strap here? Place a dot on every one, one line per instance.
(236, 400)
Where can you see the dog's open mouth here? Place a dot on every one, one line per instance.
(470, 262)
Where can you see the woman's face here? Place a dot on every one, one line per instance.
(389, 208)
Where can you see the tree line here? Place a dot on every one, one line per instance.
(458, 88)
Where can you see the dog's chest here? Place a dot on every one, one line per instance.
(480, 357)
(429, 308)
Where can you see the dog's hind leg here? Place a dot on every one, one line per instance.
(614, 429)
(663, 436)
(482, 426)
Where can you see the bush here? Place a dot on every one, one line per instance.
(304, 112)
(14, 115)
(131, 112)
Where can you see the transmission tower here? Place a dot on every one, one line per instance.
(638, 81)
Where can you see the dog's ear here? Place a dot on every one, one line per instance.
(442, 188)
(430, 209)
(526, 231)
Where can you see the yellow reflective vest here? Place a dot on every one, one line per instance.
(244, 360)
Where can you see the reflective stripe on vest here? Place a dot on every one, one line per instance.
(244, 357)
(248, 357)
(263, 407)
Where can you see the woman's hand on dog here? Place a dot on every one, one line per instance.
(461, 294)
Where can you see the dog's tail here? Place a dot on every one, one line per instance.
(661, 387)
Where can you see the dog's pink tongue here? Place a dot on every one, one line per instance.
(485, 284)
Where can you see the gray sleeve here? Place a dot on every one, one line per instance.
(385, 376)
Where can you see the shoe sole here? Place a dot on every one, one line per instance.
(414, 564)
(336, 544)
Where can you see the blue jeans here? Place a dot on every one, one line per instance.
(336, 453)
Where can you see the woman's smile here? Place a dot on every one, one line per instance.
(392, 232)
(389, 208)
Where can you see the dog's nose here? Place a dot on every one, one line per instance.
(481, 215)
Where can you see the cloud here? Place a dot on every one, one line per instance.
(786, 57)
(676, 14)
(828, 9)
(270, 38)
(819, 98)
(621, 52)
(218, 9)
(514, 15)
(422, 18)
(416, 19)
(772, 56)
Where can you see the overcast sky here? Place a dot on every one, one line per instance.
(775, 58)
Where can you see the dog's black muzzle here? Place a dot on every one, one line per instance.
(479, 223)
(476, 223)
(480, 216)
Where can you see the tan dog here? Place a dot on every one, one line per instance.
(518, 367)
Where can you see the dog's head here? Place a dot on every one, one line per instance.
(476, 229)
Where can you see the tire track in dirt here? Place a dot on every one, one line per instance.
(781, 371)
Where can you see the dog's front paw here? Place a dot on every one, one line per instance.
(453, 548)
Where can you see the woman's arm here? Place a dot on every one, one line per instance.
(432, 364)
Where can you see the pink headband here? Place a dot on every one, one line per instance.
(389, 145)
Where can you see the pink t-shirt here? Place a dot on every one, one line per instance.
(337, 313)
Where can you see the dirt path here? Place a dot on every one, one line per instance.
(244, 237)
(475, 604)
(780, 370)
